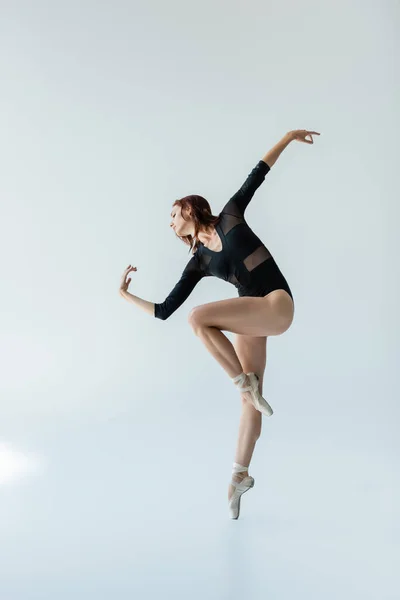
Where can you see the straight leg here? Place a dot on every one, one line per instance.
(252, 352)
(249, 432)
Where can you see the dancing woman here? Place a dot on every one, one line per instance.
(224, 246)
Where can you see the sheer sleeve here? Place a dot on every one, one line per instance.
(190, 277)
(238, 203)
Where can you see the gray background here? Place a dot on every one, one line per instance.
(118, 430)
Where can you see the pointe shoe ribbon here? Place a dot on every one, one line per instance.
(258, 401)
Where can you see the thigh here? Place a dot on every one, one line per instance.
(252, 353)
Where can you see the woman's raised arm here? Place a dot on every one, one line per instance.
(297, 134)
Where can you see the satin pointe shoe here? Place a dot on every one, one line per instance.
(240, 488)
(258, 401)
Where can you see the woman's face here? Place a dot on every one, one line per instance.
(178, 223)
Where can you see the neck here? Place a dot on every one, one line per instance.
(207, 237)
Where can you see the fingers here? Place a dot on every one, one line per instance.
(129, 268)
(302, 134)
(125, 273)
(310, 134)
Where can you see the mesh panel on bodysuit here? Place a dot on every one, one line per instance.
(233, 214)
(230, 221)
(258, 256)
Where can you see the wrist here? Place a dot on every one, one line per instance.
(289, 136)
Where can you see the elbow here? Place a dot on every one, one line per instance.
(160, 314)
(163, 311)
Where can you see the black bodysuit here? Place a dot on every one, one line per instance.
(243, 261)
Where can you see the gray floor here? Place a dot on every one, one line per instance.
(95, 512)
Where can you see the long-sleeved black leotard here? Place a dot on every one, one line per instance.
(243, 261)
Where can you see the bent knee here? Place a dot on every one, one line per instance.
(197, 319)
(194, 318)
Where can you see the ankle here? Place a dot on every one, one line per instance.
(241, 380)
(240, 476)
(239, 471)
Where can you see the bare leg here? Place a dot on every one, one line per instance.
(220, 347)
(223, 350)
(252, 353)
(249, 432)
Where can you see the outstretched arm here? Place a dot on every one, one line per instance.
(236, 205)
(190, 277)
(272, 156)
(297, 134)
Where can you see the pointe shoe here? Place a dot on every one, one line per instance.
(258, 401)
(240, 488)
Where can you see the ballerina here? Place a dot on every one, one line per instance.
(224, 246)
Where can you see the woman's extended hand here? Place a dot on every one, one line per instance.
(301, 134)
(124, 283)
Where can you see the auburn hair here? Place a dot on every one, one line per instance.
(201, 215)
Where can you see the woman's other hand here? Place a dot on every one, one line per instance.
(124, 282)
